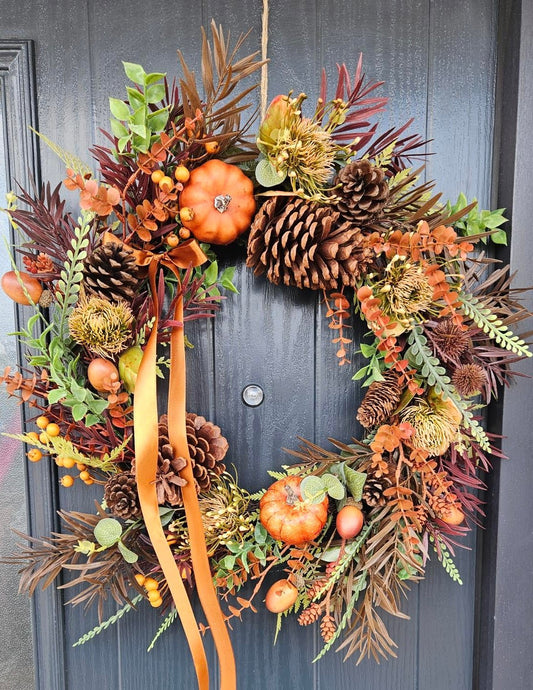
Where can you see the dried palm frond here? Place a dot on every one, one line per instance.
(102, 574)
(222, 73)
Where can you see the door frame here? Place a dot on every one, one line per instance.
(504, 589)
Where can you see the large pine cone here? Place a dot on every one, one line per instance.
(120, 494)
(298, 242)
(207, 448)
(110, 272)
(363, 193)
(381, 399)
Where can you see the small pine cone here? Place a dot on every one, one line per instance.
(328, 627)
(363, 193)
(373, 489)
(309, 615)
(381, 399)
(120, 494)
(301, 243)
(168, 481)
(110, 272)
(469, 379)
(316, 587)
(46, 299)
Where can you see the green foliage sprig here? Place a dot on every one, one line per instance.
(165, 625)
(478, 221)
(446, 560)
(494, 327)
(135, 121)
(110, 621)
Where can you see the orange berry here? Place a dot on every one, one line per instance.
(53, 430)
(80, 466)
(151, 585)
(33, 435)
(157, 176)
(153, 595)
(42, 422)
(89, 481)
(185, 233)
(165, 183)
(186, 214)
(34, 455)
(172, 239)
(157, 603)
(84, 475)
(140, 578)
(211, 146)
(59, 461)
(181, 173)
(67, 480)
(43, 437)
(68, 463)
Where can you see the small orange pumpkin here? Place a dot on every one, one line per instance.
(221, 202)
(288, 517)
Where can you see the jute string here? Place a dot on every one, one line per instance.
(264, 55)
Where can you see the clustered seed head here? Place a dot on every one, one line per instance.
(101, 326)
(450, 340)
(469, 379)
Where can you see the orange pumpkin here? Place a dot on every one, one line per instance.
(217, 203)
(288, 517)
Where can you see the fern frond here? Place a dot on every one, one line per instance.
(165, 625)
(110, 621)
(494, 327)
(71, 276)
(435, 375)
(446, 560)
(276, 475)
(69, 159)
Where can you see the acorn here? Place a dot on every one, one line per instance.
(11, 285)
(102, 374)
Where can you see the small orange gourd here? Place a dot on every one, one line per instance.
(221, 202)
(287, 516)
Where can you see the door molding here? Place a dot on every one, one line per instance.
(18, 104)
(504, 609)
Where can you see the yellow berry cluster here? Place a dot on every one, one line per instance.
(152, 589)
(51, 430)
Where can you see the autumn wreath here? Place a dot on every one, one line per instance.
(330, 204)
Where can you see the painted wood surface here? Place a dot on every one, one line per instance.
(438, 60)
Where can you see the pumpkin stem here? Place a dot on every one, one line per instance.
(221, 202)
(292, 496)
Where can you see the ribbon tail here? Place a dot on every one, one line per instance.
(145, 417)
(199, 556)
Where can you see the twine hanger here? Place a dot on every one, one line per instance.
(264, 54)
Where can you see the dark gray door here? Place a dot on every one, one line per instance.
(439, 61)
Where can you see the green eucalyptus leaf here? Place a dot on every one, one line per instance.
(333, 486)
(107, 531)
(211, 274)
(312, 489)
(355, 482)
(128, 555)
(267, 175)
(79, 410)
(331, 554)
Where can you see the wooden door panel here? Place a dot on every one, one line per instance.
(438, 69)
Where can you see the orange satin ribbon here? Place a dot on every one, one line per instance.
(145, 415)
